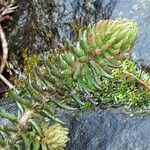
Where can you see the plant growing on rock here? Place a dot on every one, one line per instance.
(129, 86)
(68, 77)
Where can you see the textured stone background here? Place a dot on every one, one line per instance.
(138, 10)
(41, 24)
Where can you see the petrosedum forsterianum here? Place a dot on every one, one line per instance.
(77, 69)
(55, 137)
(67, 75)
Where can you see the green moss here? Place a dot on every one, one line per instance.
(76, 26)
(124, 89)
(31, 61)
(83, 75)
(86, 106)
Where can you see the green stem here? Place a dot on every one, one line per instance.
(51, 117)
(17, 98)
(61, 105)
(5, 114)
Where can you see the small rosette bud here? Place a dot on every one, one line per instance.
(55, 137)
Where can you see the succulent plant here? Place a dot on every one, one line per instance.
(78, 69)
(67, 75)
(31, 131)
(55, 137)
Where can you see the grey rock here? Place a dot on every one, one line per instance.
(110, 129)
(101, 129)
(10, 107)
(40, 26)
(139, 11)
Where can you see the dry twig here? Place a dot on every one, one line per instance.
(138, 80)
(6, 82)
(4, 49)
(4, 15)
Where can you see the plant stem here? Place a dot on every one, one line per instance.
(137, 79)
(6, 81)
(4, 48)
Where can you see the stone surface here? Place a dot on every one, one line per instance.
(102, 129)
(138, 10)
(110, 129)
(41, 25)
(10, 107)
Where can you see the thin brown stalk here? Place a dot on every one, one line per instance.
(4, 15)
(6, 81)
(4, 49)
(137, 79)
